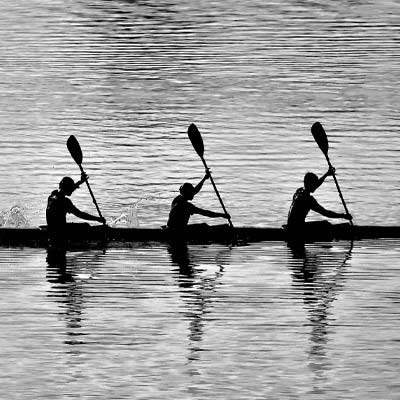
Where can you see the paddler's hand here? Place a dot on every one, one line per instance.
(208, 174)
(347, 216)
(226, 216)
(84, 178)
(331, 171)
(102, 220)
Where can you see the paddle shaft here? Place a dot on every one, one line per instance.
(216, 190)
(91, 193)
(337, 186)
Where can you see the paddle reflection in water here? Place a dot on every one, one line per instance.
(67, 275)
(198, 276)
(318, 271)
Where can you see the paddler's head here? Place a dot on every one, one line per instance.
(67, 185)
(310, 182)
(187, 191)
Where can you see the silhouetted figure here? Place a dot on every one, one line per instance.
(182, 208)
(303, 202)
(59, 205)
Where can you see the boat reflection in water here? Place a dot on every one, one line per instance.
(318, 270)
(198, 273)
(68, 274)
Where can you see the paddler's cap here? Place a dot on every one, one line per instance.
(187, 190)
(67, 184)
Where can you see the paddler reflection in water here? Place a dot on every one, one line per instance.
(58, 205)
(182, 208)
(303, 202)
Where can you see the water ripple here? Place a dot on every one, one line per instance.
(127, 78)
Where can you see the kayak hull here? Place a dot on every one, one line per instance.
(83, 234)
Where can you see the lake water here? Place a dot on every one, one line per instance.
(256, 321)
(259, 321)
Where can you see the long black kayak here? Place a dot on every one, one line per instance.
(83, 234)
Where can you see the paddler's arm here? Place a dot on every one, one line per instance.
(83, 215)
(328, 213)
(321, 180)
(200, 184)
(84, 178)
(210, 214)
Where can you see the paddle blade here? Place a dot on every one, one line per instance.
(196, 139)
(75, 149)
(320, 137)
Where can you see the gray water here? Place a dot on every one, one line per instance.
(211, 322)
(127, 78)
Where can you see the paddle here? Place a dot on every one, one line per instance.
(76, 153)
(198, 145)
(321, 138)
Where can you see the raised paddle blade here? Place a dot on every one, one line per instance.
(320, 137)
(75, 149)
(196, 139)
(76, 153)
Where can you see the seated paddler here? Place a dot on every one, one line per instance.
(182, 208)
(303, 202)
(59, 205)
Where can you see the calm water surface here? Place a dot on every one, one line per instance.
(260, 321)
(128, 77)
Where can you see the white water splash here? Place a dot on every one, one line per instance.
(129, 218)
(14, 217)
